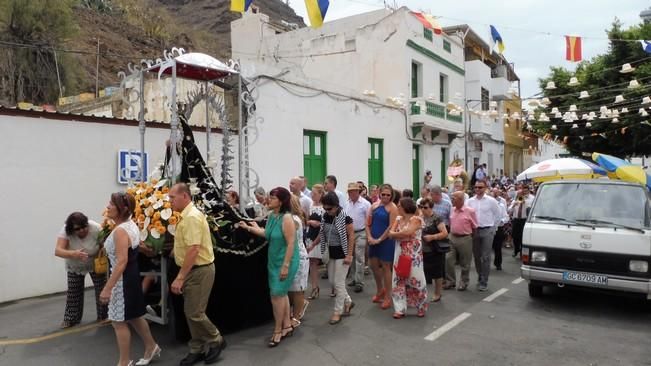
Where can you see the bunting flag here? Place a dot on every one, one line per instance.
(428, 22)
(573, 48)
(316, 11)
(646, 46)
(240, 6)
(497, 39)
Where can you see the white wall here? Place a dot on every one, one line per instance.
(50, 169)
(278, 153)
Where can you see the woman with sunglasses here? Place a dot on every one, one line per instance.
(336, 239)
(410, 290)
(380, 248)
(77, 244)
(282, 260)
(433, 260)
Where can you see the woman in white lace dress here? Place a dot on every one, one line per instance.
(123, 291)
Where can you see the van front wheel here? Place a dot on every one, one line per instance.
(535, 290)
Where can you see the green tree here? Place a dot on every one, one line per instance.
(31, 31)
(601, 76)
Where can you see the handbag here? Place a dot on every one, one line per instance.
(439, 246)
(403, 267)
(101, 262)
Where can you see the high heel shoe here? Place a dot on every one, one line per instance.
(314, 294)
(154, 354)
(272, 342)
(288, 334)
(379, 297)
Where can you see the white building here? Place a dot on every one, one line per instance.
(329, 98)
(490, 82)
(543, 150)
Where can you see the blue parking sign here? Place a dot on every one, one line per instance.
(129, 165)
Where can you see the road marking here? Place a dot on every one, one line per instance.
(83, 328)
(518, 280)
(447, 326)
(495, 294)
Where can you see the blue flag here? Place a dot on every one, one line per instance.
(646, 46)
(497, 39)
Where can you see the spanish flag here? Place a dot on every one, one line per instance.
(240, 6)
(428, 22)
(316, 11)
(573, 48)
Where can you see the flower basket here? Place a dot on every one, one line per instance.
(154, 214)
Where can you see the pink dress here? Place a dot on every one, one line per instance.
(410, 291)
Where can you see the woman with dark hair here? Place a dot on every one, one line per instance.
(380, 248)
(409, 289)
(233, 199)
(77, 244)
(123, 291)
(336, 236)
(433, 259)
(283, 260)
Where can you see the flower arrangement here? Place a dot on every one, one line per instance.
(107, 226)
(153, 212)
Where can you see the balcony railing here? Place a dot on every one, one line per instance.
(434, 110)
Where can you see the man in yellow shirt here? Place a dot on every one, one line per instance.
(193, 252)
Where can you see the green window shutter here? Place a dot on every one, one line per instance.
(447, 46)
(314, 156)
(375, 161)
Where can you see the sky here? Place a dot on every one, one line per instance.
(532, 30)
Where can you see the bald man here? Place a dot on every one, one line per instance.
(296, 187)
(463, 221)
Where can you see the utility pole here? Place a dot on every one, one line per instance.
(97, 72)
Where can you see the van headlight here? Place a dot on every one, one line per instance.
(538, 256)
(638, 266)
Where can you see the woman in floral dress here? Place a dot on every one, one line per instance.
(410, 290)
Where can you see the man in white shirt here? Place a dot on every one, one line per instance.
(519, 211)
(331, 186)
(357, 208)
(306, 191)
(480, 174)
(295, 186)
(488, 217)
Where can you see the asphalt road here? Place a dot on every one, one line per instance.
(502, 326)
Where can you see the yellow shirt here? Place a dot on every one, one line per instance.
(193, 229)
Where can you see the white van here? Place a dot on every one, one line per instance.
(588, 233)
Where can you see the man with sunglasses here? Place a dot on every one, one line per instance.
(488, 217)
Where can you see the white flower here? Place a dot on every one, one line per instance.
(171, 229)
(145, 225)
(166, 213)
(152, 199)
(140, 191)
(149, 211)
(143, 202)
(158, 204)
(154, 233)
(143, 234)
(161, 183)
(194, 190)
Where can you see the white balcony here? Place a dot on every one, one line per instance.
(434, 116)
(500, 87)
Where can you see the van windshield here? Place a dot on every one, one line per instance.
(598, 204)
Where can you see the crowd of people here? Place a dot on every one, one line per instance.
(408, 242)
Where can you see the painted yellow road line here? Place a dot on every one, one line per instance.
(65, 332)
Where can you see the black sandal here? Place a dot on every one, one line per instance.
(272, 342)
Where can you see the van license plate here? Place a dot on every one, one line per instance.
(585, 277)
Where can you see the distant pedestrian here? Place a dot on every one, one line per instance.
(77, 244)
(295, 187)
(313, 227)
(519, 210)
(331, 186)
(299, 285)
(193, 253)
(433, 258)
(306, 191)
(498, 239)
(123, 291)
(409, 288)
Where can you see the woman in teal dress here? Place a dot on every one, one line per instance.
(283, 259)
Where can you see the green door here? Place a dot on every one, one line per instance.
(375, 162)
(314, 156)
(415, 165)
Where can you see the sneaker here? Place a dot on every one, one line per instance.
(213, 353)
(359, 288)
(482, 288)
(462, 287)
